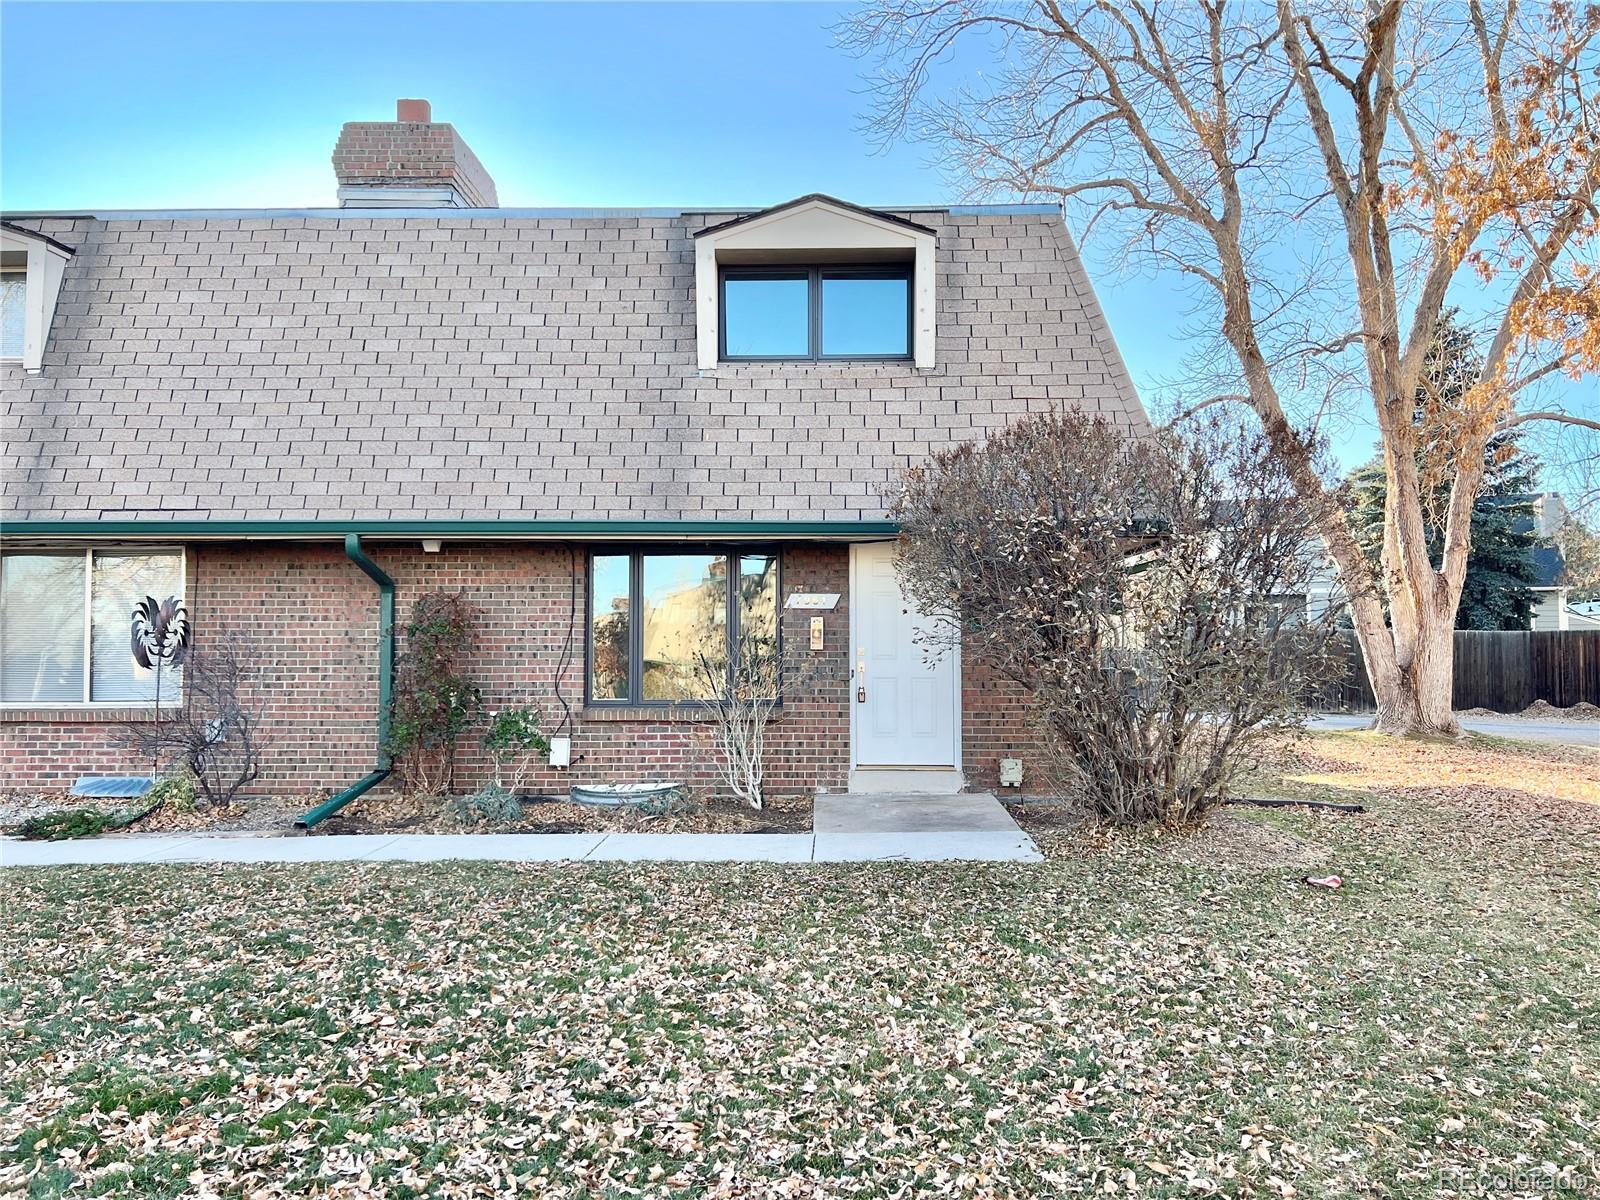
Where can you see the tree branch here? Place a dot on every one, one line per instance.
(1563, 418)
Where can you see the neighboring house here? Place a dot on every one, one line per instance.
(573, 416)
(1551, 609)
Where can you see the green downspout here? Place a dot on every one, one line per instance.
(380, 772)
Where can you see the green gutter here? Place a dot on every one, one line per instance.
(380, 772)
(166, 528)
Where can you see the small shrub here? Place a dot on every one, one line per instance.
(491, 805)
(66, 823)
(678, 801)
(514, 739)
(744, 700)
(176, 792)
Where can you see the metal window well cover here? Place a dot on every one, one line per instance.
(619, 795)
(118, 787)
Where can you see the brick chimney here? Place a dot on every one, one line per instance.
(410, 162)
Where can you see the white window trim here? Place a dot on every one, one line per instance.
(47, 264)
(814, 229)
(87, 705)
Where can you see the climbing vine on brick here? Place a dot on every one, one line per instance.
(435, 702)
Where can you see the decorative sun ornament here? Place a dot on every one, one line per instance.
(160, 633)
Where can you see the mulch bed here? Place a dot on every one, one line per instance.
(1047, 815)
(415, 814)
(406, 814)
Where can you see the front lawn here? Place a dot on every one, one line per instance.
(1151, 1015)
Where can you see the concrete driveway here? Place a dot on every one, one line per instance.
(1564, 733)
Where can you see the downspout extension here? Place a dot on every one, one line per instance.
(385, 764)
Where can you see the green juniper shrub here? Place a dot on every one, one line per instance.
(490, 805)
(66, 823)
(176, 792)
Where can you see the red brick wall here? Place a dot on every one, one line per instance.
(313, 618)
(524, 595)
(995, 725)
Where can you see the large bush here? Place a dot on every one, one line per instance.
(1147, 592)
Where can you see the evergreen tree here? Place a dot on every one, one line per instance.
(1500, 568)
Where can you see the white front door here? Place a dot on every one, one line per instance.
(905, 706)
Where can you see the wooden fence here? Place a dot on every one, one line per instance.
(1505, 672)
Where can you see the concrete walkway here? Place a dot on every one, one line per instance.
(1561, 733)
(966, 828)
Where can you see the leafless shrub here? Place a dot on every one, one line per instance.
(747, 692)
(216, 733)
(1148, 593)
(746, 698)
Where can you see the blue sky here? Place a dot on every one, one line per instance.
(201, 105)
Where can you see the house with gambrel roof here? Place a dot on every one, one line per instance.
(593, 422)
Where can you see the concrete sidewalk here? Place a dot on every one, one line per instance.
(967, 828)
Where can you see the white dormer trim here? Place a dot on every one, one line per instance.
(47, 264)
(812, 227)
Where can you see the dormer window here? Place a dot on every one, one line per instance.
(31, 270)
(815, 280)
(820, 312)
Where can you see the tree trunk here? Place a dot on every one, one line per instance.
(1414, 697)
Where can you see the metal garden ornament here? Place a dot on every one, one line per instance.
(161, 634)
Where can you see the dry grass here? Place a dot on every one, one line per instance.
(1144, 1014)
(1509, 770)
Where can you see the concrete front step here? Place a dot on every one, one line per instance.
(905, 781)
(870, 812)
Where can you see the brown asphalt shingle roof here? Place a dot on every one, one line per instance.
(349, 366)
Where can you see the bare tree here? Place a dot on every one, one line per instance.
(742, 699)
(1325, 175)
(217, 732)
(1148, 594)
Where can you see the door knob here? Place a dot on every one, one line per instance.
(861, 695)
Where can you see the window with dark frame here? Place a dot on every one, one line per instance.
(654, 618)
(815, 313)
